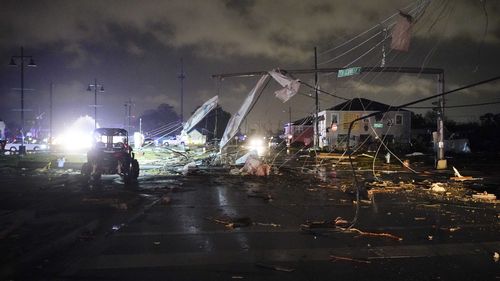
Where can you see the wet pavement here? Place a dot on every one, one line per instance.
(210, 225)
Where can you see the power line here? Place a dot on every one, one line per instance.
(456, 106)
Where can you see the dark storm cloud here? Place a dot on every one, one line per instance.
(273, 29)
(135, 46)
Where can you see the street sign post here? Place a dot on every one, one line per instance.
(349, 71)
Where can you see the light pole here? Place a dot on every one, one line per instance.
(22, 148)
(101, 90)
(128, 114)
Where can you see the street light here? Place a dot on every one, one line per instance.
(101, 90)
(22, 148)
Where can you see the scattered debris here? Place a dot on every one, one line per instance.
(459, 177)
(275, 267)
(266, 197)
(188, 168)
(337, 258)
(373, 234)
(340, 221)
(243, 159)
(120, 206)
(317, 224)
(268, 224)
(233, 223)
(165, 200)
(254, 166)
(484, 196)
(437, 187)
(366, 155)
(415, 154)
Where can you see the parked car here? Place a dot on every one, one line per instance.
(173, 141)
(30, 146)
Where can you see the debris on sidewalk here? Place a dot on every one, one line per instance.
(484, 196)
(275, 267)
(337, 258)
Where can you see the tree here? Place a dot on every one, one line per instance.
(155, 118)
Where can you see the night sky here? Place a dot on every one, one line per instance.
(134, 49)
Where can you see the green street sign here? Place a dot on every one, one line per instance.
(349, 71)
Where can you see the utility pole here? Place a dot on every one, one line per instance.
(51, 114)
(316, 136)
(441, 161)
(181, 77)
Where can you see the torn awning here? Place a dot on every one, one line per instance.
(235, 121)
(290, 86)
(200, 113)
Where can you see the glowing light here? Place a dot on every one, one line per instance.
(78, 137)
(257, 144)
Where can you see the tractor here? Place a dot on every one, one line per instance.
(110, 154)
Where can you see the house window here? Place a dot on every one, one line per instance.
(335, 118)
(399, 119)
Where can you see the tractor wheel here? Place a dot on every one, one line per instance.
(86, 170)
(134, 169)
(96, 177)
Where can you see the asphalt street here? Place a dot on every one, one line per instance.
(211, 225)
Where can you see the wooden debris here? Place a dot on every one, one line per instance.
(268, 224)
(337, 258)
(374, 234)
(239, 222)
(459, 177)
(484, 196)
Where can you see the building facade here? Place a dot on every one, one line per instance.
(391, 126)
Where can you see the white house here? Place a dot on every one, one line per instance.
(392, 126)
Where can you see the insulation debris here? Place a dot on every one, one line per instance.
(438, 187)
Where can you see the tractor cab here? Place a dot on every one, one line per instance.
(110, 154)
